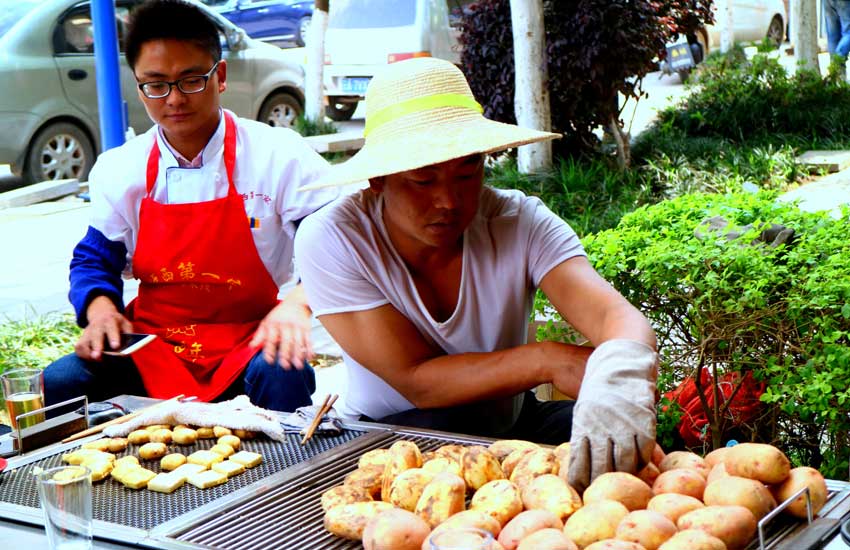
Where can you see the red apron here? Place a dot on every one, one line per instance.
(203, 291)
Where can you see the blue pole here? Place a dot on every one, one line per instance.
(110, 103)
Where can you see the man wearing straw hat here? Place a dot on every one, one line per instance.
(427, 281)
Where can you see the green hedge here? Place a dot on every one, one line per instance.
(782, 313)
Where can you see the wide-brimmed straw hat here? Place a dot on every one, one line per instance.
(421, 112)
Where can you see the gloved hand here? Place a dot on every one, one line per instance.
(614, 416)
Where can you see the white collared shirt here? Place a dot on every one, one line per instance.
(271, 164)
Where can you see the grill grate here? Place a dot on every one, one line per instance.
(145, 509)
(290, 516)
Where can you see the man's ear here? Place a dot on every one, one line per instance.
(221, 71)
(377, 184)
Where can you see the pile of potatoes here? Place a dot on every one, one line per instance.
(398, 498)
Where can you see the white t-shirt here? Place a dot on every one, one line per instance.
(271, 164)
(348, 263)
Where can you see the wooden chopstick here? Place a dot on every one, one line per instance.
(120, 420)
(326, 406)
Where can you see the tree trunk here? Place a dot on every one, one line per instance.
(314, 96)
(805, 39)
(531, 99)
(725, 23)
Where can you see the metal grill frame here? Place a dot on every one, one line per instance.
(378, 436)
(167, 535)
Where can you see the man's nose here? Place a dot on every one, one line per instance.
(176, 97)
(446, 195)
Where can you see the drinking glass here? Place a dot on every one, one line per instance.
(65, 494)
(23, 390)
(464, 538)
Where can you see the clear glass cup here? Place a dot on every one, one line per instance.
(23, 390)
(463, 538)
(65, 495)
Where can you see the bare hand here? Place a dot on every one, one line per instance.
(285, 333)
(105, 323)
(567, 363)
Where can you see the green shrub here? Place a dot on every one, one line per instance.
(37, 341)
(308, 127)
(781, 313)
(757, 100)
(590, 194)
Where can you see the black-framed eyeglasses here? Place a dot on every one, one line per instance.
(194, 84)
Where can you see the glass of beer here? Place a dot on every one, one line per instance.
(23, 390)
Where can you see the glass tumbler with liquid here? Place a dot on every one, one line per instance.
(23, 390)
(66, 500)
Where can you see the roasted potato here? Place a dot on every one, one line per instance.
(403, 455)
(619, 486)
(684, 459)
(757, 461)
(745, 492)
(500, 499)
(716, 456)
(442, 464)
(408, 487)
(344, 494)
(693, 539)
(443, 496)
(547, 539)
(525, 523)
(512, 460)
(475, 519)
(673, 505)
(717, 472)
(369, 478)
(375, 457)
(797, 479)
(395, 530)
(479, 466)
(349, 520)
(614, 544)
(647, 528)
(502, 448)
(682, 481)
(550, 492)
(536, 463)
(453, 451)
(595, 522)
(734, 525)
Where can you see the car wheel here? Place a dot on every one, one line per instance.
(280, 109)
(340, 111)
(59, 151)
(776, 31)
(303, 29)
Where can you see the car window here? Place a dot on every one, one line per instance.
(371, 14)
(74, 33)
(12, 11)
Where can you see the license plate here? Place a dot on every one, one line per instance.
(355, 85)
(679, 56)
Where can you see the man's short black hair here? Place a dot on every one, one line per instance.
(170, 19)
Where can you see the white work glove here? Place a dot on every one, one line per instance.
(614, 416)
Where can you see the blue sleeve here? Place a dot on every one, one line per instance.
(96, 271)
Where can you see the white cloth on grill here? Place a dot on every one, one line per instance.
(238, 413)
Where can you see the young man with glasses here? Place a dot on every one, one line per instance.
(202, 210)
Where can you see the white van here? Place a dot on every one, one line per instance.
(365, 35)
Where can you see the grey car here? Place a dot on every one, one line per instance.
(48, 95)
